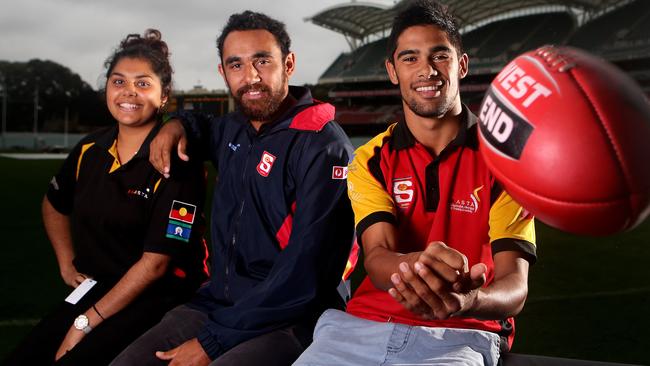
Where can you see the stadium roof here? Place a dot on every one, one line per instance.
(357, 21)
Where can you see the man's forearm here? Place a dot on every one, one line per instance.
(504, 297)
(381, 263)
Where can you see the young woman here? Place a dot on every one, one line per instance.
(113, 219)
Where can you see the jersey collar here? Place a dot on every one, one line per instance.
(403, 138)
(107, 140)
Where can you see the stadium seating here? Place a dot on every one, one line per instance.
(554, 28)
(506, 34)
(364, 64)
(369, 61)
(342, 63)
(628, 23)
(490, 47)
(368, 114)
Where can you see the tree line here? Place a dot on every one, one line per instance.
(48, 93)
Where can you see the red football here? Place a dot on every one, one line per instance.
(568, 136)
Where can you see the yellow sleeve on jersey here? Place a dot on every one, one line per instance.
(508, 220)
(366, 193)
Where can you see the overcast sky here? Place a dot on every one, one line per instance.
(81, 34)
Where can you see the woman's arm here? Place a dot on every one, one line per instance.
(143, 273)
(57, 226)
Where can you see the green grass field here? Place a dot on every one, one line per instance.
(588, 299)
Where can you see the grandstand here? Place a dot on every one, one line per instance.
(494, 32)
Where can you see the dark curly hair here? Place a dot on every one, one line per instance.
(149, 47)
(250, 20)
(425, 12)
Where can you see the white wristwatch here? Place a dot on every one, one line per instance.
(82, 323)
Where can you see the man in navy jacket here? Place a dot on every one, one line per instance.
(282, 225)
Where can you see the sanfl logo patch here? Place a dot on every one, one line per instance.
(266, 163)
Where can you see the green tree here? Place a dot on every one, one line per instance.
(58, 89)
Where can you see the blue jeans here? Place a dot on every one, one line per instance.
(343, 339)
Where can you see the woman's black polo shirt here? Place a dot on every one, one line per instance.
(117, 212)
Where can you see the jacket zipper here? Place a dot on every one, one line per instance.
(233, 241)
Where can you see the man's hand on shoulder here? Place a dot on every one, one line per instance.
(171, 135)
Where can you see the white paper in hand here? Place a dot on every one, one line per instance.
(80, 291)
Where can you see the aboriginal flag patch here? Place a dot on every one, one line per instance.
(178, 230)
(182, 211)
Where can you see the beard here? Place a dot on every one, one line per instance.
(261, 109)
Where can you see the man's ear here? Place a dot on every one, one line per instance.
(290, 63)
(392, 74)
(221, 72)
(463, 66)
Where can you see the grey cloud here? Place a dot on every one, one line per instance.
(81, 34)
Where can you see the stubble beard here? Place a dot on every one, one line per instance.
(436, 108)
(424, 110)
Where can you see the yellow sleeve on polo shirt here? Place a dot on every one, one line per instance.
(366, 192)
(508, 220)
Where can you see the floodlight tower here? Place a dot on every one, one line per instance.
(3, 89)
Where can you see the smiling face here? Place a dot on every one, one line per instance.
(256, 72)
(134, 92)
(428, 69)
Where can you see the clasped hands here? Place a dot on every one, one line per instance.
(437, 283)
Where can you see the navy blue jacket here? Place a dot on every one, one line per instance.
(282, 225)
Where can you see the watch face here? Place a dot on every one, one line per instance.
(81, 322)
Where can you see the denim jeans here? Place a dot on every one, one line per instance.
(343, 339)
